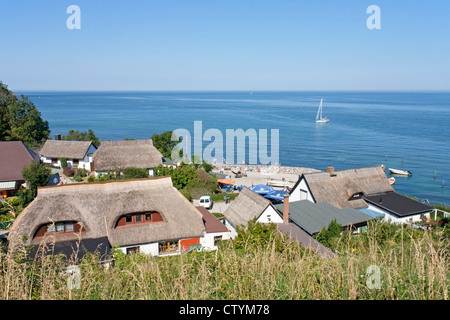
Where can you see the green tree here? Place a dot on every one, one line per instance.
(327, 235)
(75, 135)
(36, 174)
(181, 177)
(20, 119)
(164, 143)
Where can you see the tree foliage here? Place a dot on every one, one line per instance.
(36, 175)
(75, 135)
(181, 177)
(163, 142)
(20, 120)
(327, 235)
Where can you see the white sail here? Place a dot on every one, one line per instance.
(319, 112)
(319, 116)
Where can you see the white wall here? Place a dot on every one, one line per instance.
(269, 215)
(232, 228)
(84, 163)
(207, 241)
(394, 219)
(296, 194)
(148, 248)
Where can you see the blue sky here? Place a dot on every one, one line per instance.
(225, 45)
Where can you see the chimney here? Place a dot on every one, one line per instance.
(330, 170)
(286, 208)
(57, 137)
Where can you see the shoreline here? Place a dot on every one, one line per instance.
(263, 174)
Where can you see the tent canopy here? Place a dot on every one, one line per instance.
(225, 181)
(276, 195)
(261, 189)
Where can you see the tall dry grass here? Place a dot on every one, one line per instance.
(414, 268)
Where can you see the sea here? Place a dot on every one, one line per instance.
(402, 130)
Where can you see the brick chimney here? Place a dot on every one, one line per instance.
(330, 170)
(286, 208)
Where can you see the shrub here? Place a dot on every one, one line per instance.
(14, 202)
(135, 173)
(81, 172)
(186, 194)
(25, 196)
(77, 178)
(68, 172)
(63, 162)
(91, 179)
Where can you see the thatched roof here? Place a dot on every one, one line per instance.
(118, 155)
(337, 189)
(63, 148)
(247, 205)
(14, 156)
(99, 205)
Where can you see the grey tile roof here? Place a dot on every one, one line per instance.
(312, 217)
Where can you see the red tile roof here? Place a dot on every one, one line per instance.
(212, 224)
(14, 156)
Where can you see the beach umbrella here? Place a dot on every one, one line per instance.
(261, 189)
(276, 195)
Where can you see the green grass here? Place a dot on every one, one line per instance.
(413, 265)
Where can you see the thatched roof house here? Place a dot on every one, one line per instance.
(343, 188)
(127, 212)
(78, 154)
(119, 155)
(62, 148)
(249, 205)
(363, 189)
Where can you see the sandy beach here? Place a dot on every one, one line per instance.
(259, 174)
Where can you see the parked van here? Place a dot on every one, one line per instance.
(206, 201)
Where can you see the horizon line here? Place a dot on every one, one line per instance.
(238, 90)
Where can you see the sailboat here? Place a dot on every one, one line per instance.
(319, 116)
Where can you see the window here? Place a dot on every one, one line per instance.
(69, 226)
(51, 228)
(60, 227)
(303, 194)
(139, 218)
(169, 246)
(131, 250)
(217, 239)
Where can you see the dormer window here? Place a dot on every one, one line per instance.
(357, 195)
(59, 229)
(139, 218)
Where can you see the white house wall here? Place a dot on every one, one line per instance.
(296, 194)
(269, 215)
(389, 217)
(207, 241)
(148, 248)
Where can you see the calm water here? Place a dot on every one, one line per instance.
(409, 129)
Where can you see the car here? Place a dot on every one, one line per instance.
(206, 201)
